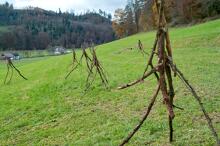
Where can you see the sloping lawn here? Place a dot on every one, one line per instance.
(49, 110)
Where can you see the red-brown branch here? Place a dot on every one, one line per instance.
(126, 140)
(139, 80)
(18, 71)
(5, 81)
(162, 59)
(192, 90)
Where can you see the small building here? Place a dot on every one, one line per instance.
(12, 56)
(16, 56)
(59, 50)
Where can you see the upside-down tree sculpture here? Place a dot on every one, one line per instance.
(10, 66)
(77, 63)
(163, 73)
(141, 47)
(93, 65)
(96, 65)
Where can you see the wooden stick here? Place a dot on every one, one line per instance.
(139, 80)
(6, 74)
(168, 45)
(12, 73)
(18, 71)
(88, 85)
(191, 89)
(152, 54)
(103, 76)
(71, 71)
(126, 140)
(180, 108)
(171, 94)
(99, 67)
(141, 48)
(95, 64)
(162, 59)
(171, 128)
(74, 58)
(162, 25)
(155, 73)
(88, 60)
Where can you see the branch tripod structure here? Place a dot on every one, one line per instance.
(141, 48)
(11, 66)
(163, 73)
(93, 65)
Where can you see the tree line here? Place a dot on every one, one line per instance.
(35, 28)
(141, 15)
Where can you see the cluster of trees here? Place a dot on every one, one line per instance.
(141, 15)
(35, 28)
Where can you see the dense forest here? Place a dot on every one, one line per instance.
(141, 15)
(34, 28)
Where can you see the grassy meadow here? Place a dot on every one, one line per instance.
(49, 110)
(5, 28)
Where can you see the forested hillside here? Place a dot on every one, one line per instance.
(141, 15)
(35, 28)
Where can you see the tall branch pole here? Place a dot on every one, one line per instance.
(161, 70)
(171, 95)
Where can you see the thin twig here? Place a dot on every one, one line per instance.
(139, 80)
(126, 140)
(12, 73)
(177, 107)
(208, 119)
(152, 54)
(6, 74)
(18, 71)
(141, 48)
(88, 85)
(72, 71)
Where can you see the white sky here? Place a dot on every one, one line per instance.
(74, 5)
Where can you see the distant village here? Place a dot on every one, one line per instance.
(17, 55)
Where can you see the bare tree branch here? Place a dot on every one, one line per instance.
(126, 140)
(139, 80)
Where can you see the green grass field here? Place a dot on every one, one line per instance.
(49, 110)
(5, 28)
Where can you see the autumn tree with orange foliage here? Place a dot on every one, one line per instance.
(118, 23)
(141, 15)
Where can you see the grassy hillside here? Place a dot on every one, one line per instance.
(48, 110)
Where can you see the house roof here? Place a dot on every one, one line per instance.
(8, 55)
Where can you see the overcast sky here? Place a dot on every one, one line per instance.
(70, 5)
